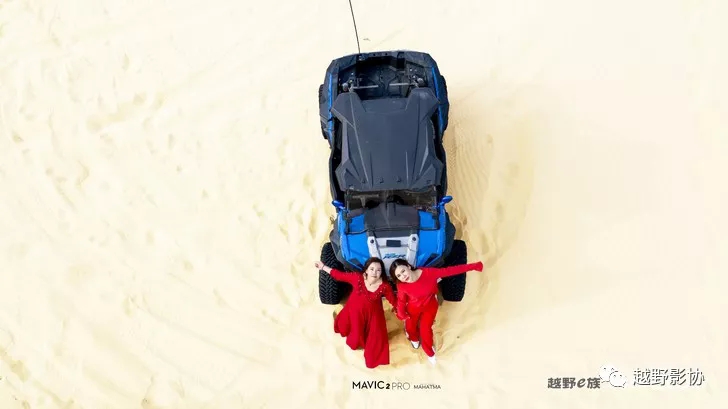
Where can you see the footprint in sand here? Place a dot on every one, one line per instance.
(310, 186)
(282, 150)
(282, 295)
(489, 250)
(305, 219)
(78, 274)
(458, 219)
(16, 367)
(512, 173)
(81, 179)
(499, 213)
(163, 394)
(283, 230)
(128, 306)
(270, 318)
(258, 212)
(220, 299)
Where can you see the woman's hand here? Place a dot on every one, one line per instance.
(401, 317)
(323, 267)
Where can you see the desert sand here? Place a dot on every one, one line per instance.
(164, 194)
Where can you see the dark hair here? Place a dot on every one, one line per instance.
(397, 263)
(371, 261)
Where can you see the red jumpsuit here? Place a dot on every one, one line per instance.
(362, 320)
(417, 302)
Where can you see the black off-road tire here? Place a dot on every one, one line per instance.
(447, 113)
(331, 292)
(453, 287)
(321, 101)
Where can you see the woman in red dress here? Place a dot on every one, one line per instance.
(362, 320)
(417, 299)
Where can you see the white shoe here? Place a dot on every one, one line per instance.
(415, 344)
(432, 358)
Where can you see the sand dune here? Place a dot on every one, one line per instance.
(164, 192)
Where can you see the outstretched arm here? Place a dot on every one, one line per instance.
(455, 270)
(337, 275)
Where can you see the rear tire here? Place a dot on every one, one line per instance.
(453, 287)
(331, 291)
(321, 101)
(446, 111)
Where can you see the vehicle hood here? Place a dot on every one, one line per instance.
(387, 144)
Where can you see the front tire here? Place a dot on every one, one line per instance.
(453, 287)
(331, 292)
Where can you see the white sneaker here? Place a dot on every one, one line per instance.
(432, 358)
(415, 344)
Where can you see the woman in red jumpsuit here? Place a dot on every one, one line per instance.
(417, 299)
(362, 320)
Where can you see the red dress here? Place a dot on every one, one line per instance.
(417, 302)
(362, 321)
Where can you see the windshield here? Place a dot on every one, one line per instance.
(425, 199)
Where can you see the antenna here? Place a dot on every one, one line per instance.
(355, 31)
